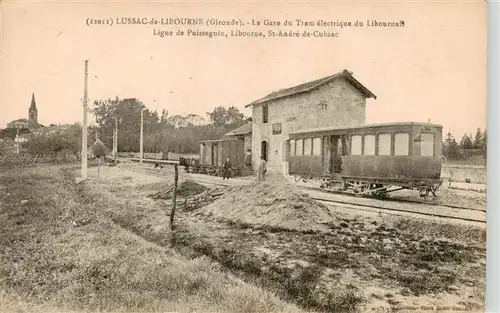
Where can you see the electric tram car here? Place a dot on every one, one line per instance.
(369, 159)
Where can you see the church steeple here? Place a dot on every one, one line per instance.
(33, 112)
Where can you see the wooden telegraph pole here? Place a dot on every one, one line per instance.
(115, 140)
(84, 126)
(174, 198)
(17, 141)
(142, 134)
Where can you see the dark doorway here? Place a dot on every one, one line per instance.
(337, 150)
(215, 154)
(263, 150)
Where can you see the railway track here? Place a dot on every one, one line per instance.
(393, 211)
(356, 206)
(395, 199)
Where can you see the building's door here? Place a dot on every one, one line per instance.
(263, 150)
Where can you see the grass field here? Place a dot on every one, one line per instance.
(105, 245)
(62, 251)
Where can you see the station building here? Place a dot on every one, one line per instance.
(335, 100)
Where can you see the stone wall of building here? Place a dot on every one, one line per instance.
(248, 142)
(345, 106)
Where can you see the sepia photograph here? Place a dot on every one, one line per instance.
(252, 157)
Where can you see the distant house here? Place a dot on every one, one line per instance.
(11, 133)
(24, 123)
(25, 126)
(52, 129)
(32, 122)
(22, 138)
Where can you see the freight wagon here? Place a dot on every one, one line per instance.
(369, 159)
(213, 154)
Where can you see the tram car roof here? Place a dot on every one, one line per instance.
(360, 127)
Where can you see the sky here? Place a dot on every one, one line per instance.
(433, 68)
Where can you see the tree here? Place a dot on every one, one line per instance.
(484, 144)
(450, 147)
(220, 116)
(67, 141)
(466, 142)
(478, 139)
(160, 132)
(128, 112)
(99, 150)
(233, 115)
(164, 116)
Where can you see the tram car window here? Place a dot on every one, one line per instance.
(316, 146)
(427, 145)
(384, 144)
(307, 146)
(298, 147)
(402, 144)
(369, 145)
(356, 145)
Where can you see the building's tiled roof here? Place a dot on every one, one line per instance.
(243, 130)
(25, 120)
(315, 84)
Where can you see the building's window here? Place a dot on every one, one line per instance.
(356, 145)
(298, 147)
(384, 144)
(307, 146)
(316, 146)
(292, 147)
(369, 146)
(402, 144)
(427, 145)
(265, 113)
(323, 105)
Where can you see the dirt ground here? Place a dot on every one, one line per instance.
(356, 263)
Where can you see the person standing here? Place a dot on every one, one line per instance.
(227, 169)
(248, 161)
(261, 169)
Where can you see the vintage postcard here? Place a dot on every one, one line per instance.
(248, 157)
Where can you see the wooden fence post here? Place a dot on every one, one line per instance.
(174, 198)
